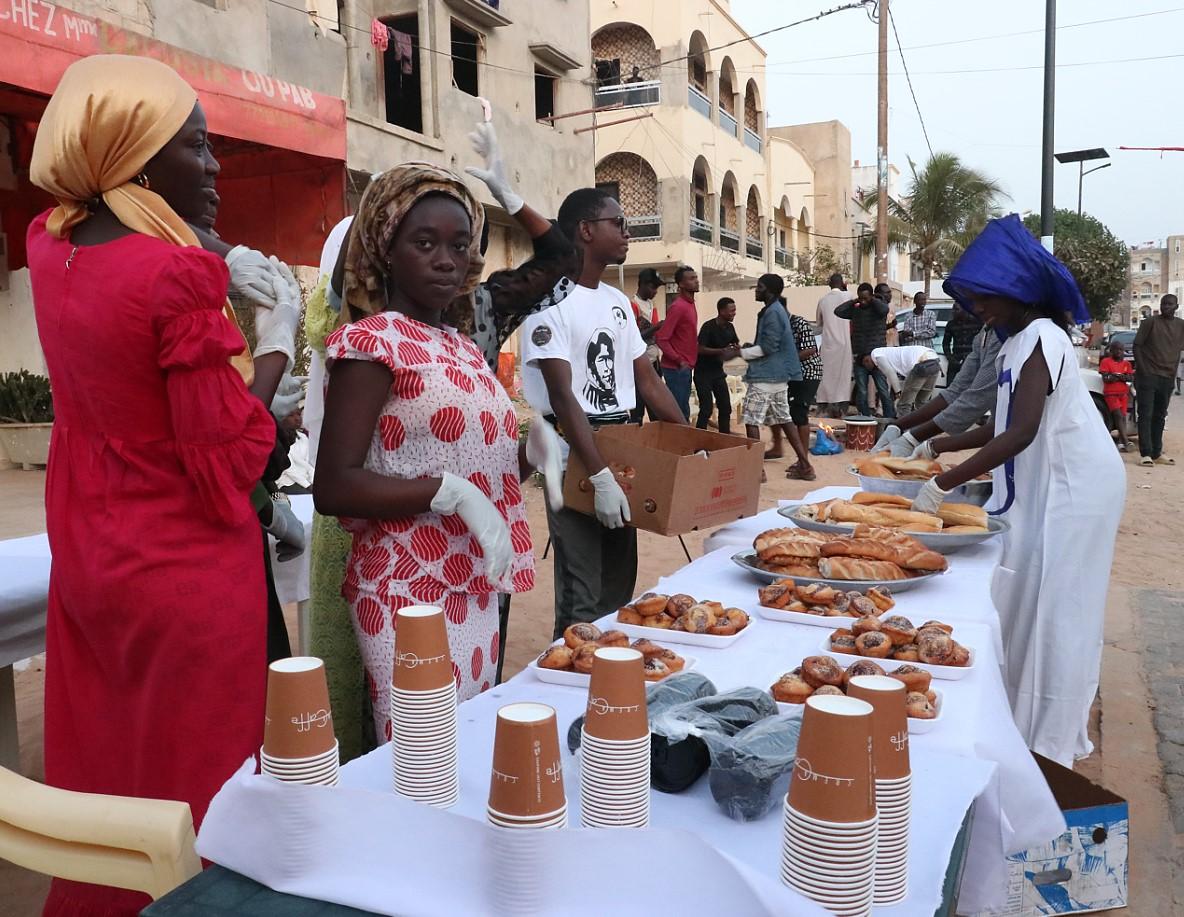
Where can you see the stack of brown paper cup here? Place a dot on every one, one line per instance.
(423, 708)
(829, 842)
(298, 741)
(894, 782)
(526, 785)
(615, 746)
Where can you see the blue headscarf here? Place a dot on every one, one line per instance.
(1007, 260)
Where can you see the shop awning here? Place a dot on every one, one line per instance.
(39, 40)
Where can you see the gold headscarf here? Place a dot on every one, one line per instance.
(387, 200)
(110, 114)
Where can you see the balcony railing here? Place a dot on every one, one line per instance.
(754, 247)
(783, 257)
(646, 227)
(700, 230)
(630, 95)
(698, 101)
(729, 240)
(727, 123)
(752, 139)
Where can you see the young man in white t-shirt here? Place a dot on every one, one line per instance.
(584, 366)
(915, 364)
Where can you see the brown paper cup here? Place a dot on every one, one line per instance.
(422, 659)
(616, 695)
(298, 722)
(832, 775)
(890, 723)
(527, 776)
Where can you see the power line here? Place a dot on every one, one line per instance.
(909, 79)
(1095, 63)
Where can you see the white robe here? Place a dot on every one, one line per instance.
(1063, 497)
(836, 350)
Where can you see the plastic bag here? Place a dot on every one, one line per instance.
(660, 697)
(824, 445)
(750, 771)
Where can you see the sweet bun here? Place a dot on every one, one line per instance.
(935, 648)
(581, 658)
(865, 625)
(673, 661)
(698, 619)
(861, 667)
(798, 606)
(841, 603)
(776, 595)
(907, 653)
(662, 621)
(821, 670)
(917, 706)
(629, 615)
(899, 629)
(556, 657)
(579, 634)
(838, 611)
(842, 642)
(613, 638)
(723, 628)
(947, 628)
(737, 616)
(863, 607)
(817, 594)
(651, 604)
(678, 604)
(828, 689)
(791, 689)
(959, 655)
(873, 643)
(647, 647)
(914, 677)
(881, 597)
(656, 670)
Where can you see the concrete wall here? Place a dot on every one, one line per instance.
(19, 346)
(827, 144)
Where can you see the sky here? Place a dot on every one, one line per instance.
(992, 119)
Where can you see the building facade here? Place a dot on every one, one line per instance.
(703, 180)
(1155, 271)
(863, 185)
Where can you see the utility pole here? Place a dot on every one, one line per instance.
(881, 271)
(1046, 154)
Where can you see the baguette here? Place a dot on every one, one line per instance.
(867, 548)
(962, 514)
(869, 498)
(885, 516)
(964, 529)
(925, 560)
(913, 468)
(871, 468)
(855, 568)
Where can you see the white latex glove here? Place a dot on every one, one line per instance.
(904, 446)
(288, 395)
(287, 529)
(755, 352)
(251, 275)
(456, 495)
(612, 506)
(890, 435)
(545, 454)
(930, 497)
(924, 450)
(275, 328)
(484, 140)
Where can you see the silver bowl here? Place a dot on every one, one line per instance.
(976, 492)
(747, 561)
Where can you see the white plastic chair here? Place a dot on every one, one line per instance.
(140, 844)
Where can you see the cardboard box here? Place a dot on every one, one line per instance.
(672, 490)
(1083, 870)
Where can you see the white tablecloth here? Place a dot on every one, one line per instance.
(974, 753)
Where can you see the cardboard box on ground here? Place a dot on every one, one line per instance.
(671, 489)
(1083, 870)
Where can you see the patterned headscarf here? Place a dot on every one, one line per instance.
(109, 115)
(387, 200)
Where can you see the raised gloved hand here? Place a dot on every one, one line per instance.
(275, 328)
(930, 497)
(456, 495)
(890, 435)
(545, 454)
(904, 446)
(251, 275)
(924, 450)
(612, 506)
(288, 395)
(287, 529)
(484, 140)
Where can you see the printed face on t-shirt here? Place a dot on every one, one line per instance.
(601, 389)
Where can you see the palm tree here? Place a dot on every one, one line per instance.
(946, 206)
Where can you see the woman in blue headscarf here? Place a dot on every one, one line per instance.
(1057, 477)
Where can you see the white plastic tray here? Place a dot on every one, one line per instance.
(916, 726)
(580, 680)
(661, 635)
(948, 672)
(834, 622)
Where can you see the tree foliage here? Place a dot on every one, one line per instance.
(815, 265)
(945, 206)
(1099, 261)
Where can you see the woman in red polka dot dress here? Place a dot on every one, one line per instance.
(419, 452)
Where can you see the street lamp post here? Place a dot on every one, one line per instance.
(1081, 157)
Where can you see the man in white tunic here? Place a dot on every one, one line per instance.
(835, 390)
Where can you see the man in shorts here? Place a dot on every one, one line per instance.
(772, 362)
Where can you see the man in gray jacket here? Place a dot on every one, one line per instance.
(963, 403)
(772, 362)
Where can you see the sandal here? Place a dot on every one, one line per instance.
(797, 473)
(1146, 460)
(1164, 460)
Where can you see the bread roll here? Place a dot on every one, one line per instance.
(886, 516)
(962, 514)
(859, 547)
(871, 468)
(855, 568)
(868, 498)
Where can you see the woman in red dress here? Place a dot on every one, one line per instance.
(155, 663)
